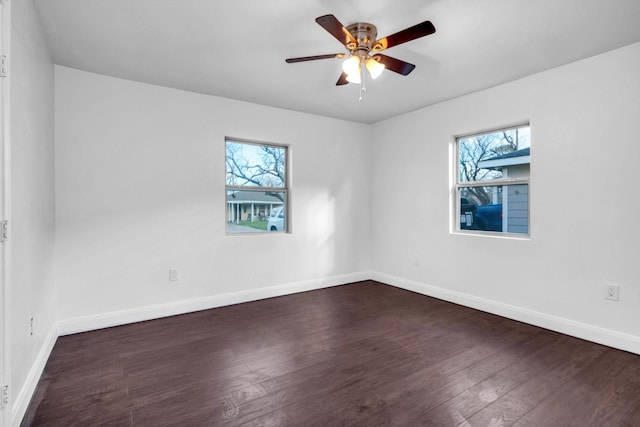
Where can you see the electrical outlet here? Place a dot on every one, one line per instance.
(173, 275)
(31, 326)
(612, 292)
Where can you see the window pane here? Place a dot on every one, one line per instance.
(499, 208)
(255, 165)
(253, 211)
(501, 154)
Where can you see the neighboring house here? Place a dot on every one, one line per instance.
(515, 200)
(250, 205)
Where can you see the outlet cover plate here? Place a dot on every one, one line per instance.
(612, 292)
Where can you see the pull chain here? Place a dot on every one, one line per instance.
(362, 86)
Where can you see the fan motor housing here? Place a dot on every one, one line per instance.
(365, 34)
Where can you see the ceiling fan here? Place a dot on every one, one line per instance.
(364, 49)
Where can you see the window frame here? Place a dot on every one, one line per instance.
(458, 185)
(286, 188)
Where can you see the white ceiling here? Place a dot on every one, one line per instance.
(236, 48)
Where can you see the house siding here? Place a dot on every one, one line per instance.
(518, 209)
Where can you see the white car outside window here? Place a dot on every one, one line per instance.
(276, 219)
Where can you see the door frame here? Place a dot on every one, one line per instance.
(6, 413)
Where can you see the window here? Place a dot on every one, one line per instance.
(256, 187)
(492, 181)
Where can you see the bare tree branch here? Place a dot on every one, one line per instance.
(474, 150)
(263, 168)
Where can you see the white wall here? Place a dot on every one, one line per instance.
(140, 188)
(32, 203)
(584, 201)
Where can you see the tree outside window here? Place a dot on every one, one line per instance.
(256, 187)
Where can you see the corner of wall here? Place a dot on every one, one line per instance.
(32, 214)
(25, 393)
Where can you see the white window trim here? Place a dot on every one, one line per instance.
(286, 189)
(458, 185)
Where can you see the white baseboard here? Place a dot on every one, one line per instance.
(116, 318)
(608, 337)
(22, 399)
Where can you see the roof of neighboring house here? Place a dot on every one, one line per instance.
(252, 197)
(518, 153)
(519, 157)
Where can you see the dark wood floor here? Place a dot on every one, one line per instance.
(363, 354)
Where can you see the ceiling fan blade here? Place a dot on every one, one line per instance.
(336, 29)
(342, 80)
(395, 65)
(419, 30)
(313, 58)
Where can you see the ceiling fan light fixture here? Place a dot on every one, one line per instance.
(354, 77)
(375, 68)
(351, 65)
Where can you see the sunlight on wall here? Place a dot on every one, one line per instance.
(320, 226)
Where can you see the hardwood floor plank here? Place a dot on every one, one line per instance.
(503, 413)
(558, 372)
(277, 418)
(351, 405)
(439, 383)
(508, 408)
(310, 388)
(619, 403)
(495, 378)
(364, 354)
(579, 401)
